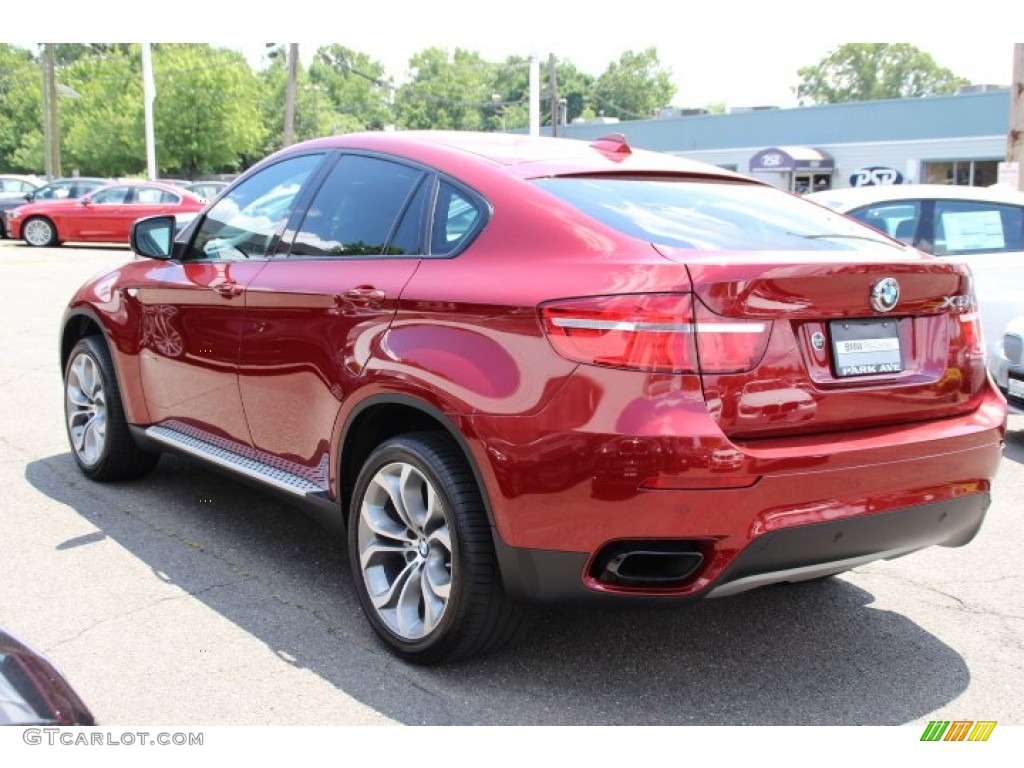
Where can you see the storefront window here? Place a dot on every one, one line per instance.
(972, 173)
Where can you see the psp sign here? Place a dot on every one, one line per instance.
(876, 176)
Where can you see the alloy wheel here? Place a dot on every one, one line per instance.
(405, 550)
(86, 409)
(38, 232)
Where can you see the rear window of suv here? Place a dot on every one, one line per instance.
(711, 216)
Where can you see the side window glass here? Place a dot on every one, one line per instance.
(112, 196)
(356, 209)
(243, 224)
(897, 220)
(407, 239)
(52, 192)
(146, 196)
(969, 227)
(455, 219)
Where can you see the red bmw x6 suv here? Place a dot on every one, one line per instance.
(520, 369)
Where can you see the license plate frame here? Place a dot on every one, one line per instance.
(1015, 386)
(868, 347)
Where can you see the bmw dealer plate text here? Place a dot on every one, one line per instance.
(866, 347)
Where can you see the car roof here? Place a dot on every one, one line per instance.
(64, 179)
(523, 155)
(146, 184)
(20, 177)
(853, 197)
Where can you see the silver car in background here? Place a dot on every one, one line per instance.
(1008, 366)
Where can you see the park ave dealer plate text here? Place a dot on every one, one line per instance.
(866, 347)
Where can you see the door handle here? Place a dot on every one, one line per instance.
(365, 296)
(228, 290)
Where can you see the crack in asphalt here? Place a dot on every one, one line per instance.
(138, 609)
(961, 604)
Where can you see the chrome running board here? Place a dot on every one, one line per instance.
(257, 470)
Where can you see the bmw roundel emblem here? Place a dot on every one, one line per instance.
(885, 294)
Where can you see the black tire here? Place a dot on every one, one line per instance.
(39, 232)
(94, 417)
(446, 549)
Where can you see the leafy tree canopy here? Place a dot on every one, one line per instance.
(868, 71)
(634, 86)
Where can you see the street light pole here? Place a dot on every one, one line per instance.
(289, 94)
(51, 126)
(534, 94)
(148, 95)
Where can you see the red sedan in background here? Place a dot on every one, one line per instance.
(105, 216)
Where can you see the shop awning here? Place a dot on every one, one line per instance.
(790, 159)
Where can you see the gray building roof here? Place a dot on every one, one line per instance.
(935, 117)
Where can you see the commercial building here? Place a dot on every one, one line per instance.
(941, 140)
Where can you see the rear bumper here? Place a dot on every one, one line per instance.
(666, 506)
(792, 554)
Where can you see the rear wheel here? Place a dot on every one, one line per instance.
(97, 430)
(39, 232)
(422, 556)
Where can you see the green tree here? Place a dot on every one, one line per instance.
(315, 114)
(509, 95)
(207, 115)
(447, 91)
(634, 86)
(102, 128)
(21, 111)
(357, 86)
(69, 53)
(868, 71)
(575, 87)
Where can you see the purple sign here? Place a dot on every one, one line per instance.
(791, 159)
(875, 176)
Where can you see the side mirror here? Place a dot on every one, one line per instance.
(30, 196)
(153, 237)
(87, 201)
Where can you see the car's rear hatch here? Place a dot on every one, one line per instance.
(800, 320)
(832, 359)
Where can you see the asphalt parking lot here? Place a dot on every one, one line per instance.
(187, 599)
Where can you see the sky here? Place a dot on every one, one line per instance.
(738, 52)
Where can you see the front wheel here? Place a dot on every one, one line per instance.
(422, 556)
(97, 429)
(39, 232)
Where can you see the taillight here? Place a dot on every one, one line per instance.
(965, 310)
(726, 345)
(650, 332)
(971, 333)
(653, 332)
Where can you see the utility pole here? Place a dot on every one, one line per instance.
(534, 94)
(148, 95)
(51, 126)
(1015, 138)
(289, 94)
(553, 87)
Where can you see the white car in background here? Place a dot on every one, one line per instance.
(1008, 369)
(981, 227)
